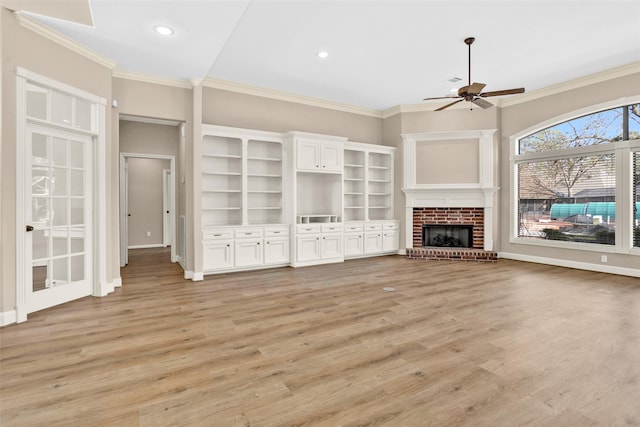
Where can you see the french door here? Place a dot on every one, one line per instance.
(58, 210)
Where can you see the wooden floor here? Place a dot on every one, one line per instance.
(476, 344)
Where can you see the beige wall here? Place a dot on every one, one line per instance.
(23, 48)
(146, 201)
(227, 108)
(523, 116)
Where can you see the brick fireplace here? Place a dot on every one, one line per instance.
(472, 217)
(449, 180)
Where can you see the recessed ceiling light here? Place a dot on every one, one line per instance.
(323, 54)
(163, 29)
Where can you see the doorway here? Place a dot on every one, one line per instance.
(166, 184)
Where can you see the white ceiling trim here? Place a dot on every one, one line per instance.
(287, 96)
(147, 78)
(53, 35)
(625, 70)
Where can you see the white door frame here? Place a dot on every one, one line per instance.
(167, 213)
(99, 275)
(123, 203)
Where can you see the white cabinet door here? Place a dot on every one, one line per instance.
(372, 242)
(390, 241)
(217, 255)
(331, 157)
(308, 155)
(276, 250)
(248, 252)
(331, 246)
(308, 248)
(353, 244)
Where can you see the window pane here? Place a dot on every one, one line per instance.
(36, 101)
(634, 121)
(61, 110)
(568, 199)
(594, 129)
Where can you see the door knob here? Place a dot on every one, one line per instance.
(29, 227)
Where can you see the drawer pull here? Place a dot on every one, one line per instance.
(276, 232)
(217, 235)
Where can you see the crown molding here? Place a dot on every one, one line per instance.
(287, 96)
(149, 78)
(624, 70)
(34, 25)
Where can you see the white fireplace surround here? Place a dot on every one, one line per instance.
(454, 195)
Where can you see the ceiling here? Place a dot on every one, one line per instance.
(381, 53)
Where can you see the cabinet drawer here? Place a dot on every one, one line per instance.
(352, 227)
(390, 226)
(331, 228)
(248, 233)
(308, 228)
(274, 232)
(372, 227)
(217, 234)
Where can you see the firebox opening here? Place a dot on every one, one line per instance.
(447, 235)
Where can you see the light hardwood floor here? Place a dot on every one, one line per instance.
(476, 344)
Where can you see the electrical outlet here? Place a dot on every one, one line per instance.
(604, 258)
(149, 235)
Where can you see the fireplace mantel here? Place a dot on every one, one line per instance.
(478, 193)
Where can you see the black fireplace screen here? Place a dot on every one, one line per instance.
(447, 235)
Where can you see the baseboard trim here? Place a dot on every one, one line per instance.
(198, 277)
(8, 318)
(157, 245)
(623, 271)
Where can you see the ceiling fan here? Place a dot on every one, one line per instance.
(473, 91)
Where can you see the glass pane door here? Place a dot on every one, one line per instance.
(60, 189)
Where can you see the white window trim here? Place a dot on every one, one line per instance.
(621, 151)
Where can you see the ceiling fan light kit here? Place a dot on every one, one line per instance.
(472, 92)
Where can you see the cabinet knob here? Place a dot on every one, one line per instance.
(228, 245)
(258, 243)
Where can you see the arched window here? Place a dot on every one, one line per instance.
(578, 181)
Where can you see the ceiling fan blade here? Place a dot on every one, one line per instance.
(441, 97)
(449, 105)
(483, 103)
(475, 88)
(502, 92)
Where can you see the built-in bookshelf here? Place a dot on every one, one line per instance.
(379, 186)
(354, 185)
(368, 182)
(221, 180)
(264, 182)
(241, 177)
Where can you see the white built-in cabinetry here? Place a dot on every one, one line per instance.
(368, 201)
(242, 204)
(271, 199)
(317, 189)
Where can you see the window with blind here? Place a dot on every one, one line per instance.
(567, 177)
